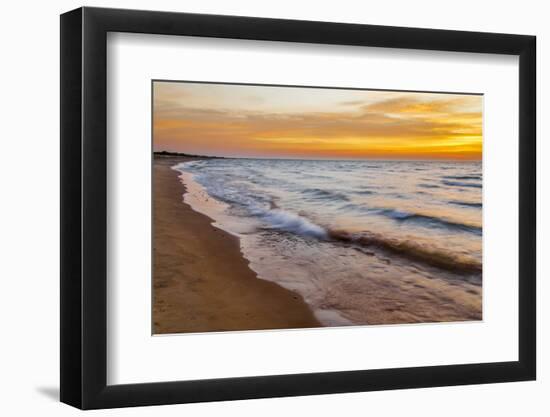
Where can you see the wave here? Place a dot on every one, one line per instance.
(413, 251)
(404, 216)
(364, 192)
(293, 223)
(290, 222)
(466, 203)
(317, 193)
(423, 185)
(462, 177)
(356, 208)
(309, 175)
(461, 184)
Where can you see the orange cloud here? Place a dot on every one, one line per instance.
(407, 126)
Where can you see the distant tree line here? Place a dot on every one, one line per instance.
(187, 155)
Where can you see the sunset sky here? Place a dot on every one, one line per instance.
(314, 123)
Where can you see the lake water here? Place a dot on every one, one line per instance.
(363, 242)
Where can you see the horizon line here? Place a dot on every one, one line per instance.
(177, 153)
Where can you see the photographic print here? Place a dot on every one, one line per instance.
(286, 207)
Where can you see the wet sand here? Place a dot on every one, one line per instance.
(201, 281)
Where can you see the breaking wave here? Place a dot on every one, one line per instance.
(290, 222)
(300, 225)
(413, 251)
(403, 216)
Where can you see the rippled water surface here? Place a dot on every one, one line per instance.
(364, 242)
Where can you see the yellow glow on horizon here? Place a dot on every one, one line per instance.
(284, 122)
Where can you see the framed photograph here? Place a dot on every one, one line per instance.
(256, 208)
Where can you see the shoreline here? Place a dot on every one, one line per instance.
(194, 291)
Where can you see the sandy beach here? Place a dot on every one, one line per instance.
(201, 281)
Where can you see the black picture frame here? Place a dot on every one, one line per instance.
(84, 207)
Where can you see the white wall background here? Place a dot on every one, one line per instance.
(29, 236)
